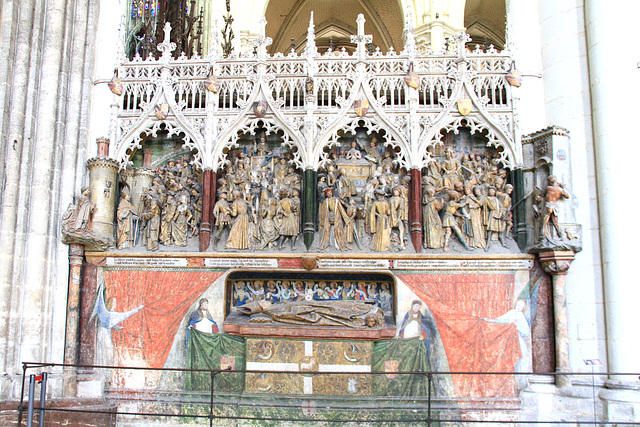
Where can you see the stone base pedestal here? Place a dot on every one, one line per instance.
(90, 384)
(621, 401)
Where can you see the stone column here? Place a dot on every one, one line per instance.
(147, 156)
(76, 258)
(557, 264)
(208, 201)
(415, 209)
(104, 176)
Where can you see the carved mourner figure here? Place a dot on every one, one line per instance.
(380, 223)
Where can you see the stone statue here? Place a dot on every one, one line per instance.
(331, 222)
(398, 214)
(431, 222)
(239, 233)
(553, 194)
(288, 214)
(351, 314)
(126, 218)
(152, 216)
(180, 225)
(493, 216)
(449, 222)
(380, 223)
(79, 220)
(222, 217)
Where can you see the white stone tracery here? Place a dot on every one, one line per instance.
(412, 119)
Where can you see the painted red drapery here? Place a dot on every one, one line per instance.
(166, 296)
(472, 344)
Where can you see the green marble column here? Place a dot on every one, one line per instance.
(519, 211)
(309, 207)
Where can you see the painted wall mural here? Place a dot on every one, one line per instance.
(438, 321)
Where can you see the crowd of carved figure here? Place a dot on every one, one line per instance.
(363, 202)
(169, 212)
(468, 197)
(284, 291)
(258, 200)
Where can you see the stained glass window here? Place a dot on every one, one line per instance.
(139, 7)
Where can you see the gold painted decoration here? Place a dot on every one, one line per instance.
(162, 111)
(514, 78)
(361, 107)
(464, 106)
(212, 84)
(260, 109)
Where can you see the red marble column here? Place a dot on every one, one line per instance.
(76, 258)
(209, 185)
(557, 264)
(415, 209)
(147, 156)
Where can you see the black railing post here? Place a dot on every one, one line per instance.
(43, 398)
(32, 386)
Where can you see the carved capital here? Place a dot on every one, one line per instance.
(556, 262)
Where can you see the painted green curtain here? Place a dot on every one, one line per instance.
(215, 351)
(401, 355)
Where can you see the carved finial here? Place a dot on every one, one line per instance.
(262, 41)
(215, 49)
(361, 39)
(166, 47)
(410, 47)
(311, 50)
(461, 39)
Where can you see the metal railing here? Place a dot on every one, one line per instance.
(270, 409)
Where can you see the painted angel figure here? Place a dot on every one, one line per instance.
(108, 320)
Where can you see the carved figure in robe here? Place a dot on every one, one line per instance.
(449, 222)
(493, 216)
(279, 172)
(380, 223)
(350, 230)
(222, 217)
(433, 232)
(385, 298)
(267, 229)
(79, 221)
(450, 170)
(475, 204)
(288, 215)
(126, 216)
(331, 220)
(292, 179)
(180, 225)
(262, 148)
(239, 233)
(554, 192)
(152, 216)
(373, 153)
(169, 213)
(398, 212)
(345, 187)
